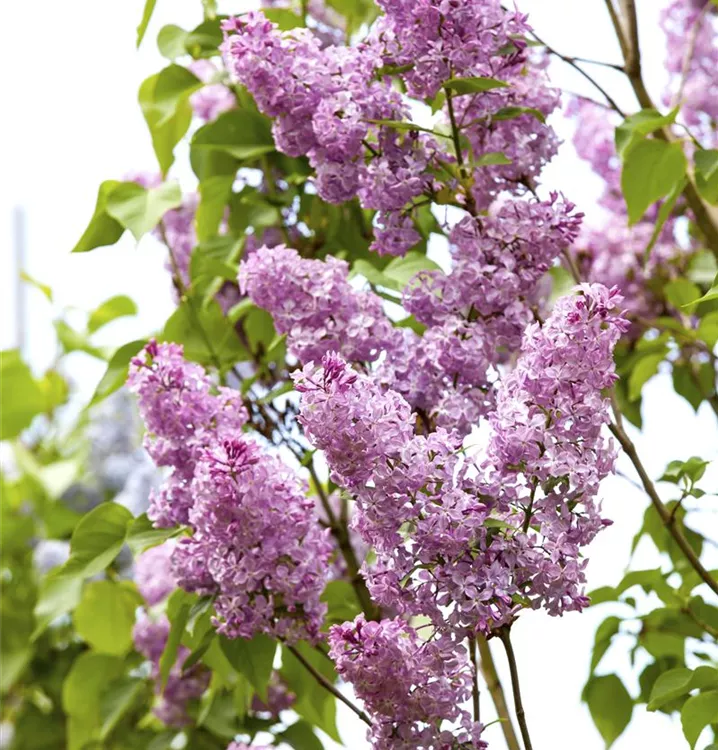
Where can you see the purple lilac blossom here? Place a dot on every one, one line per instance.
(409, 686)
(256, 542)
(451, 538)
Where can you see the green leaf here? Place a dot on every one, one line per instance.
(171, 41)
(44, 288)
(284, 18)
(697, 713)
(102, 229)
(84, 683)
(406, 127)
(693, 468)
(678, 682)
(664, 212)
(75, 341)
(474, 85)
(214, 194)
(708, 329)
(681, 292)
(117, 700)
(491, 159)
(183, 327)
(20, 395)
(341, 600)
(610, 705)
(706, 168)
(178, 611)
(164, 101)
(58, 595)
(105, 616)
(643, 370)
(140, 209)
(710, 295)
(301, 736)
(141, 535)
(241, 133)
(144, 23)
(116, 372)
(111, 309)
(97, 540)
(254, 659)
(204, 40)
(636, 127)
(604, 635)
(651, 171)
(509, 113)
(685, 385)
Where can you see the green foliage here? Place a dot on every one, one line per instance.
(706, 167)
(610, 705)
(116, 373)
(651, 170)
(103, 229)
(475, 85)
(20, 394)
(253, 659)
(105, 616)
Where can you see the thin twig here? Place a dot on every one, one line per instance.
(670, 523)
(572, 61)
(474, 679)
(322, 680)
(496, 691)
(505, 637)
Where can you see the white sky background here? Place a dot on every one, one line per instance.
(70, 120)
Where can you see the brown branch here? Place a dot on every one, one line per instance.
(496, 691)
(670, 523)
(324, 682)
(505, 638)
(474, 679)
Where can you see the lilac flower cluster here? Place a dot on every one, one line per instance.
(313, 302)
(155, 582)
(460, 542)
(332, 104)
(256, 543)
(410, 687)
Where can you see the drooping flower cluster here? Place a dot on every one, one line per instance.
(256, 543)
(410, 687)
(313, 302)
(155, 582)
(457, 542)
(332, 104)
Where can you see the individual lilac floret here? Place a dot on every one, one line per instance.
(313, 302)
(153, 573)
(409, 686)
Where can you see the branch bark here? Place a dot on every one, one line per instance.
(496, 690)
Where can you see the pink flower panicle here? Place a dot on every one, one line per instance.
(409, 687)
(256, 543)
